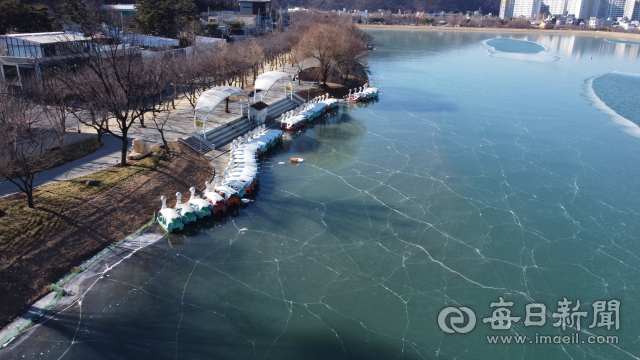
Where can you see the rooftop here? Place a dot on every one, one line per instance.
(47, 38)
(120, 7)
(259, 106)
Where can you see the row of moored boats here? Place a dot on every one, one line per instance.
(241, 174)
(240, 177)
(307, 112)
(362, 94)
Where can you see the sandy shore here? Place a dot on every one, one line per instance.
(622, 36)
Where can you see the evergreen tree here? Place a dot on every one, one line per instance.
(164, 17)
(15, 16)
(72, 10)
(187, 11)
(155, 17)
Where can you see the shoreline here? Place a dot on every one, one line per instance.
(70, 291)
(75, 238)
(623, 36)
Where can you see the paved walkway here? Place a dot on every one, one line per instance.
(179, 125)
(105, 157)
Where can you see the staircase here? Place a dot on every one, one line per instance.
(299, 100)
(219, 136)
(197, 143)
(281, 106)
(229, 131)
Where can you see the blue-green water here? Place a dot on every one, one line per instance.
(621, 93)
(472, 178)
(624, 42)
(515, 46)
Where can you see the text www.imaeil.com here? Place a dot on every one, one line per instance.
(552, 339)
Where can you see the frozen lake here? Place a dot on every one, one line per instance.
(487, 169)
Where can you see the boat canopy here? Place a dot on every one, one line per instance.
(265, 82)
(210, 99)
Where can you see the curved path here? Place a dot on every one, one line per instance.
(106, 156)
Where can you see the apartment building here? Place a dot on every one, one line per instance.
(580, 9)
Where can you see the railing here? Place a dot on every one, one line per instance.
(298, 98)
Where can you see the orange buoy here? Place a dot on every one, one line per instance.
(296, 160)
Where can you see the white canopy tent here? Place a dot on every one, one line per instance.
(210, 99)
(265, 82)
(308, 64)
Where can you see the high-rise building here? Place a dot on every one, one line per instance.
(632, 10)
(579, 8)
(608, 9)
(585, 9)
(526, 8)
(554, 7)
(506, 9)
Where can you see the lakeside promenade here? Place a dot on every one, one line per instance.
(179, 125)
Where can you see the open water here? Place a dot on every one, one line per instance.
(486, 170)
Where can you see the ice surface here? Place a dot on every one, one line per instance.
(470, 179)
(507, 48)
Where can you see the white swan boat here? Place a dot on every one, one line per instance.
(201, 206)
(169, 219)
(185, 210)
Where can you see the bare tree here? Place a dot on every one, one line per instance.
(113, 77)
(333, 44)
(160, 117)
(352, 47)
(23, 142)
(319, 43)
(193, 74)
(297, 58)
(55, 105)
(254, 55)
(162, 102)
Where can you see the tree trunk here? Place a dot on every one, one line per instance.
(142, 121)
(28, 189)
(30, 199)
(63, 130)
(123, 153)
(175, 95)
(227, 108)
(164, 141)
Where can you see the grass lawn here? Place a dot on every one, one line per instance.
(21, 227)
(72, 221)
(71, 152)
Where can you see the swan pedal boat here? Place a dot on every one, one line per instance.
(201, 206)
(169, 219)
